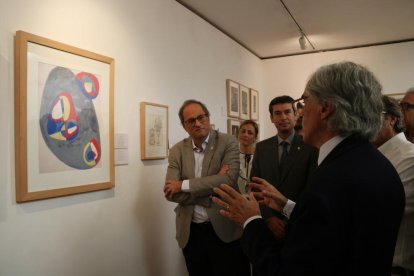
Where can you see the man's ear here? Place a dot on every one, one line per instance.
(393, 120)
(326, 110)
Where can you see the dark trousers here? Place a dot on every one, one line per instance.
(206, 255)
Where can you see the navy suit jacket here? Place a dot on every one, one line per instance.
(301, 161)
(345, 223)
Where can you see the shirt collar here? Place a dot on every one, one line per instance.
(203, 145)
(289, 139)
(328, 146)
(393, 143)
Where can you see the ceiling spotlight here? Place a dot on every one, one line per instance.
(302, 42)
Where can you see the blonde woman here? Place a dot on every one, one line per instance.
(247, 142)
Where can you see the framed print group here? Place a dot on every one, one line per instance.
(63, 119)
(154, 131)
(233, 101)
(254, 104)
(242, 102)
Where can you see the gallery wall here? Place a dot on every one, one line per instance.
(163, 54)
(392, 64)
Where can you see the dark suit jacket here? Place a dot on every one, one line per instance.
(345, 223)
(300, 163)
(221, 149)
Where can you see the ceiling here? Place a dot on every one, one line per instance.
(271, 28)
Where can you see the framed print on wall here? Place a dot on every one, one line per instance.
(233, 126)
(154, 131)
(254, 105)
(244, 103)
(64, 122)
(233, 101)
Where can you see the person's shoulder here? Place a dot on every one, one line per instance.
(298, 140)
(407, 150)
(223, 136)
(179, 145)
(270, 140)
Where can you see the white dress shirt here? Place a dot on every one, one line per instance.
(400, 152)
(200, 213)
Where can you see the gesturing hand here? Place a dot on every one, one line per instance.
(235, 206)
(268, 194)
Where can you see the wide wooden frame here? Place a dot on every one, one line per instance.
(233, 127)
(244, 103)
(32, 55)
(233, 98)
(154, 131)
(254, 104)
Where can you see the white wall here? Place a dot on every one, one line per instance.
(392, 64)
(163, 54)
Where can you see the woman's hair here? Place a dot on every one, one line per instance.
(253, 123)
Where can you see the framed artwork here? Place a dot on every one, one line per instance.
(233, 100)
(244, 103)
(154, 131)
(233, 126)
(397, 96)
(64, 134)
(254, 104)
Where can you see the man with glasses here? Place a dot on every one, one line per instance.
(407, 107)
(284, 160)
(204, 160)
(392, 143)
(347, 219)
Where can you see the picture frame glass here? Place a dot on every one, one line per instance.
(154, 131)
(244, 103)
(233, 127)
(64, 115)
(254, 105)
(233, 99)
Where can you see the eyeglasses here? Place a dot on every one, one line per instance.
(201, 118)
(299, 103)
(406, 106)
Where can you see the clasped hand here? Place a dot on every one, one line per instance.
(172, 187)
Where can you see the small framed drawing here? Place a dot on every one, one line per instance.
(233, 99)
(244, 103)
(233, 126)
(254, 105)
(64, 119)
(154, 131)
(397, 96)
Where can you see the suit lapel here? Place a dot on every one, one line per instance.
(209, 153)
(188, 157)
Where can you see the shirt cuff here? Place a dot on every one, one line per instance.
(250, 219)
(185, 186)
(287, 210)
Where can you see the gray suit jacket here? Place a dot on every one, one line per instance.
(300, 163)
(221, 149)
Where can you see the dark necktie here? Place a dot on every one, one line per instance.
(247, 158)
(283, 157)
